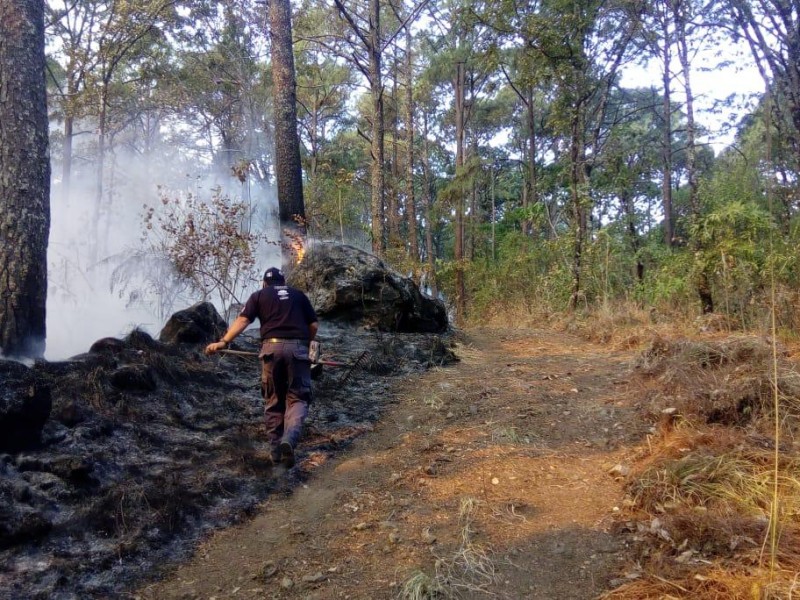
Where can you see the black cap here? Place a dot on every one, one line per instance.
(274, 276)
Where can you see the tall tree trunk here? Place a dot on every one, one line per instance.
(378, 130)
(288, 170)
(703, 279)
(531, 179)
(69, 126)
(371, 38)
(578, 202)
(312, 190)
(24, 179)
(691, 128)
(101, 153)
(427, 187)
(394, 202)
(411, 208)
(460, 299)
(473, 205)
(666, 181)
(314, 135)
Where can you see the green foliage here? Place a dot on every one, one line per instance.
(527, 277)
(667, 284)
(732, 237)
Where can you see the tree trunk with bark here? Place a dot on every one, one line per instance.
(703, 278)
(530, 181)
(666, 180)
(24, 179)
(460, 299)
(371, 38)
(288, 171)
(411, 208)
(378, 130)
(577, 191)
(394, 192)
(427, 187)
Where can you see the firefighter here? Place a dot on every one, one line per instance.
(288, 324)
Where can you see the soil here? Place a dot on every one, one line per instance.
(499, 476)
(149, 447)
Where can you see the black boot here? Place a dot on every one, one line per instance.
(286, 454)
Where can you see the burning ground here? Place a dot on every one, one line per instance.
(119, 460)
(150, 446)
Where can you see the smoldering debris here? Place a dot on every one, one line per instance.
(150, 446)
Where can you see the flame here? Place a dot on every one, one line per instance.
(299, 250)
(296, 243)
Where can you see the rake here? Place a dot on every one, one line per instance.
(351, 367)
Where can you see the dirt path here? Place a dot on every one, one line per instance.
(489, 478)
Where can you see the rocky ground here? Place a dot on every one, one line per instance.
(149, 447)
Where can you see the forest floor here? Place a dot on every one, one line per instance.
(500, 476)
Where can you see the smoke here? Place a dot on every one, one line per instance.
(103, 277)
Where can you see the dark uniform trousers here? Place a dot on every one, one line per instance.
(286, 389)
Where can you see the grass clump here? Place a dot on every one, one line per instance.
(433, 401)
(717, 584)
(468, 570)
(732, 482)
(509, 435)
(420, 586)
(727, 382)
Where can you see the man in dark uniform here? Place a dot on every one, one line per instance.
(288, 324)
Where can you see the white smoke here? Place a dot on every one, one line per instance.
(102, 279)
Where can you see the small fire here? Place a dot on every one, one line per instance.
(295, 244)
(299, 250)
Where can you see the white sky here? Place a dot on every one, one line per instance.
(709, 85)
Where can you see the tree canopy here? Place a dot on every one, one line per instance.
(487, 147)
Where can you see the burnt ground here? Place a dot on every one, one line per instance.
(497, 477)
(150, 448)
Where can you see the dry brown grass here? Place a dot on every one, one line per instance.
(619, 324)
(517, 317)
(726, 381)
(702, 492)
(714, 584)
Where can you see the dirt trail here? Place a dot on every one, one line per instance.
(490, 477)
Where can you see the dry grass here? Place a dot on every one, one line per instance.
(620, 324)
(702, 494)
(736, 481)
(715, 584)
(470, 568)
(727, 381)
(420, 586)
(512, 317)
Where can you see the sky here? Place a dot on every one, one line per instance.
(710, 84)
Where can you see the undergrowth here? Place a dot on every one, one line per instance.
(701, 497)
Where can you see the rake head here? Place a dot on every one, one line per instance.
(358, 363)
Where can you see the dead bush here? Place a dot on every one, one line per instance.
(728, 381)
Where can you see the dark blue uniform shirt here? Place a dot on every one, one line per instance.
(284, 312)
